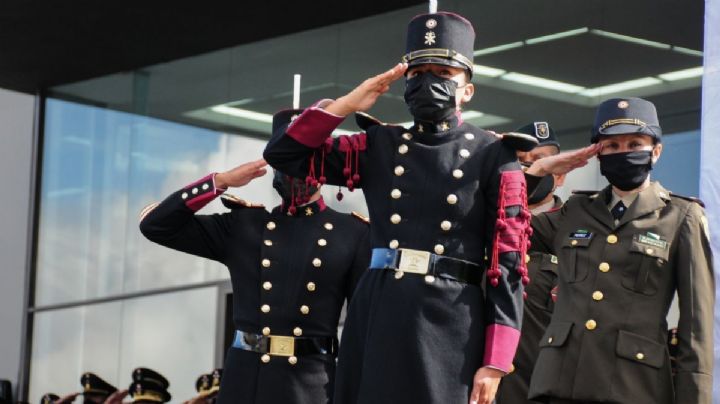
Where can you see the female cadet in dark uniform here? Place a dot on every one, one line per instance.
(623, 253)
(291, 269)
(444, 197)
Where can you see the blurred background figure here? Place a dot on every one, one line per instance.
(95, 389)
(149, 386)
(207, 386)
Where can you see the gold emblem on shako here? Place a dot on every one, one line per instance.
(429, 38)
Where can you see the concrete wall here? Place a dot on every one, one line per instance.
(16, 148)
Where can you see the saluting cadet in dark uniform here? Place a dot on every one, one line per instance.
(623, 253)
(149, 387)
(542, 268)
(447, 204)
(52, 398)
(291, 269)
(95, 389)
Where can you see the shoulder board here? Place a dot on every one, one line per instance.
(584, 192)
(147, 210)
(360, 217)
(519, 141)
(689, 198)
(233, 202)
(366, 121)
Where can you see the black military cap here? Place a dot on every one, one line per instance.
(203, 384)
(216, 379)
(49, 398)
(626, 115)
(285, 116)
(440, 38)
(145, 374)
(542, 131)
(93, 385)
(148, 391)
(209, 384)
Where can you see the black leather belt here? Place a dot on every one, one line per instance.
(280, 345)
(404, 260)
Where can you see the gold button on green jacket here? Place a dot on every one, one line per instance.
(607, 337)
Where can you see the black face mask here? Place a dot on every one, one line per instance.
(430, 98)
(626, 171)
(293, 191)
(544, 188)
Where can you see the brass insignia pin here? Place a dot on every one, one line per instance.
(541, 129)
(429, 38)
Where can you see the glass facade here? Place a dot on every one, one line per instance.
(173, 333)
(114, 144)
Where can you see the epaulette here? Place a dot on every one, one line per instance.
(360, 217)
(585, 192)
(147, 210)
(689, 198)
(365, 121)
(233, 202)
(519, 141)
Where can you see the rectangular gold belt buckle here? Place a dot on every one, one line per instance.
(282, 346)
(414, 261)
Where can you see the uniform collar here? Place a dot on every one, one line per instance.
(442, 126)
(648, 200)
(553, 204)
(627, 200)
(306, 210)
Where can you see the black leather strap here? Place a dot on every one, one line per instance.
(438, 266)
(303, 345)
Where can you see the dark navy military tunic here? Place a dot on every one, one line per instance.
(436, 188)
(290, 275)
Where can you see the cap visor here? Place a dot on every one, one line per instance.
(436, 61)
(625, 128)
(519, 141)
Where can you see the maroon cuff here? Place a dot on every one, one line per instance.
(501, 341)
(201, 192)
(313, 126)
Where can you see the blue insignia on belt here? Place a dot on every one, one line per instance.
(581, 234)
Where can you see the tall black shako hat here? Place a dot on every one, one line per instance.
(441, 38)
(626, 115)
(541, 131)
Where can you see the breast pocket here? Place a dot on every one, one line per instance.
(645, 267)
(573, 257)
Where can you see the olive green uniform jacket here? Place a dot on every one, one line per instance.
(607, 338)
